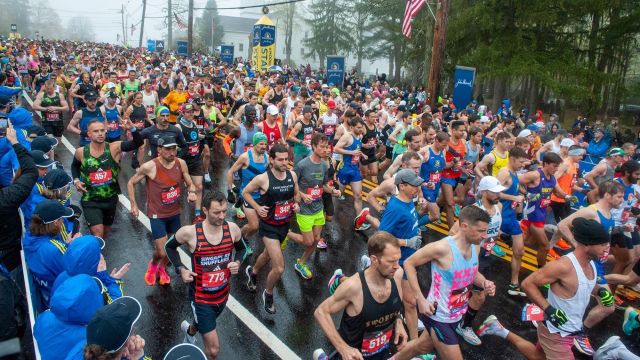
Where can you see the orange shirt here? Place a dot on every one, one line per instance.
(566, 182)
(461, 151)
(174, 101)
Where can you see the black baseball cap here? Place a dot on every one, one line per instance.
(43, 143)
(41, 159)
(5, 100)
(185, 352)
(56, 179)
(112, 324)
(90, 95)
(167, 141)
(307, 109)
(51, 210)
(112, 94)
(35, 131)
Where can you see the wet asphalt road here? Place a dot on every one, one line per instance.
(164, 308)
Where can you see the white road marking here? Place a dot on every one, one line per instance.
(258, 328)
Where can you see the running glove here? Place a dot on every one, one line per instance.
(414, 242)
(556, 316)
(606, 297)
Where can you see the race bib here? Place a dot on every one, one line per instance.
(170, 195)
(53, 116)
(112, 126)
(282, 210)
(100, 177)
(373, 343)
(329, 130)
(355, 159)
(215, 280)
(434, 177)
(544, 203)
(193, 150)
(532, 312)
(458, 301)
(307, 139)
(315, 192)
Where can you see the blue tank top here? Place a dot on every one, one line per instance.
(431, 169)
(536, 209)
(352, 160)
(87, 116)
(607, 222)
(508, 206)
(472, 155)
(112, 122)
(254, 169)
(243, 143)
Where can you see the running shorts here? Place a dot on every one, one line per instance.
(388, 152)
(56, 128)
(194, 166)
(431, 194)
(453, 182)
(101, 212)
(554, 346)
(510, 226)
(349, 174)
(161, 227)
(307, 222)
(275, 232)
(526, 223)
(206, 315)
(445, 332)
(371, 158)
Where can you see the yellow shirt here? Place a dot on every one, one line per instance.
(500, 162)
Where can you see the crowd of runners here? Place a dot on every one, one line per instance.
(296, 145)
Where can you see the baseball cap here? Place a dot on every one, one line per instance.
(407, 176)
(325, 86)
(484, 119)
(185, 351)
(307, 109)
(331, 104)
(616, 151)
(566, 142)
(56, 179)
(273, 110)
(41, 159)
(51, 210)
(90, 95)
(326, 92)
(34, 131)
(186, 107)
(167, 141)
(402, 103)
(490, 183)
(112, 94)
(163, 110)
(43, 143)
(111, 85)
(524, 133)
(112, 324)
(5, 100)
(402, 108)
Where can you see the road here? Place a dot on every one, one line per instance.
(245, 329)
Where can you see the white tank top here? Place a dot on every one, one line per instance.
(576, 305)
(496, 220)
(149, 102)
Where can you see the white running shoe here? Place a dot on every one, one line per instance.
(190, 339)
(468, 334)
(491, 326)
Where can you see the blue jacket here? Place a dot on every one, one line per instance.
(44, 255)
(82, 257)
(598, 148)
(10, 91)
(62, 329)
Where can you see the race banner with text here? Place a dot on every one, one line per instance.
(335, 70)
(226, 54)
(264, 44)
(464, 78)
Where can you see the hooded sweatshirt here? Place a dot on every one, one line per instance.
(44, 255)
(62, 328)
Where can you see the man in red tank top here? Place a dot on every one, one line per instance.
(211, 244)
(164, 175)
(271, 127)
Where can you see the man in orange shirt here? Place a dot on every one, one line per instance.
(454, 159)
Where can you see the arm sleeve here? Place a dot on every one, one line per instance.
(171, 249)
(75, 168)
(241, 250)
(17, 193)
(132, 144)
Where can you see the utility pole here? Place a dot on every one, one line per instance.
(144, 10)
(124, 30)
(170, 24)
(437, 50)
(190, 29)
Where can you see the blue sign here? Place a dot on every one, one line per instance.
(226, 54)
(335, 70)
(182, 47)
(463, 81)
(151, 45)
(159, 45)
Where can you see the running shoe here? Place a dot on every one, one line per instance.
(563, 245)
(319, 354)
(619, 302)
(322, 245)
(365, 262)
(164, 278)
(198, 219)
(613, 345)
(334, 282)
(239, 213)
(365, 226)
(267, 300)
(361, 219)
(303, 269)
(468, 334)
(456, 210)
(554, 254)
(497, 251)
(207, 178)
(151, 273)
(252, 279)
(515, 290)
(283, 244)
(190, 339)
(583, 345)
(491, 326)
(630, 322)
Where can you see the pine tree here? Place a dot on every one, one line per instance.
(208, 27)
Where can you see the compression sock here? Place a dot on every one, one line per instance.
(468, 317)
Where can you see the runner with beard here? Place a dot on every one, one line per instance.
(413, 139)
(369, 167)
(249, 108)
(80, 121)
(350, 146)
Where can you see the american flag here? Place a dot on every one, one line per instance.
(413, 6)
(179, 22)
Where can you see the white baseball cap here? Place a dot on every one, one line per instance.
(272, 110)
(566, 142)
(490, 183)
(111, 85)
(524, 133)
(484, 119)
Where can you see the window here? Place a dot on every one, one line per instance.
(241, 47)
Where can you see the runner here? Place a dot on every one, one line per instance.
(572, 279)
(174, 100)
(191, 154)
(112, 113)
(163, 176)
(433, 163)
(413, 138)
(301, 134)
(278, 187)
(271, 127)
(370, 304)
(498, 158)
(604, 171)
(454, 270)
(95, 169)
(252, 109)
(349, 145)
(452, 171)
(211, 244)
(162, 128)
(567, 176)
(79, 123)
(369, 166)
(52, 106)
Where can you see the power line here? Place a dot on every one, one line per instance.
(241, 7)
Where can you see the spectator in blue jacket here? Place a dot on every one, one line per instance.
(8, 90)
(598, 145)
(64, 326)
(44, 247)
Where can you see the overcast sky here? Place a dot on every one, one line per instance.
(106, 16)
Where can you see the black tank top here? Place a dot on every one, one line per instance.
(370, 136)
(209, 262)
(192, 150)
(219, 96)
(139, 113)
(279, 199)
(277, 97)
(371, 331)
(163, 91)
